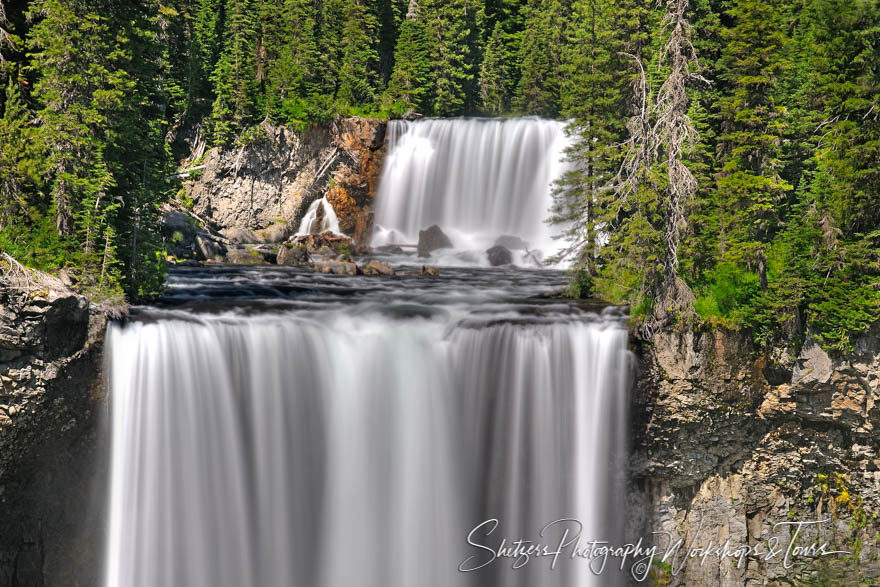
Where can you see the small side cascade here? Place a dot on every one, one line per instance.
(320, 217)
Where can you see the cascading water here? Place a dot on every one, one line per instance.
(270, 428)
(476, 178)
(320, 217)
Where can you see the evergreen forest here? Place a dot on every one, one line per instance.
(724, 166)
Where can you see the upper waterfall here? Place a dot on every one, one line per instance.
(477, 178)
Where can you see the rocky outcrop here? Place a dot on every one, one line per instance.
(727, 448)
(431, 239)
(265, 187)
(499, 255)
(50, 399)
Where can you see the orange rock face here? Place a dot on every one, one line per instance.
(361, 142)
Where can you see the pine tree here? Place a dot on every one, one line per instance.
(451, 28)
(21, 166)
(8, 41)
(409, 86)
(358, 68)
(234, 77)
(500, 70)
(593, 96)
(292, 57)
(750, 188)
(71, 49)
(543, 40)
(137, 154)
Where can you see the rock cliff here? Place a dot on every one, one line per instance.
(728, 447)
(261, 191)
(50, 401)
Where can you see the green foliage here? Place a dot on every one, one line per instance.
(409, 87)
(452, 33)
(779, 232)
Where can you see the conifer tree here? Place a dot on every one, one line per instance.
(234, 77)
(358, 68)
(451, 28)
(593, 95)
(409, 86)
(292, 55)
(77, 88)
(20, 159)
(750, 188)
(544, 37)
(500, 70)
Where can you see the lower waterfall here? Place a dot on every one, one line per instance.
(359, 444)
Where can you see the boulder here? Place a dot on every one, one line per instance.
(514, 243)
(432, 239)
(293, 254)
(274, 233)
(499, 255)
(241, 236)
(269, 252)
(243, 256)
(327, 243)
(373, 267)
(207, 248)
(336, 267)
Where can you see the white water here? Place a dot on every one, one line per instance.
(476, 178)
(310, 223)
(353, 449)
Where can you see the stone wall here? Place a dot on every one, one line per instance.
(721, 453)
(261, 191)
(51, 394)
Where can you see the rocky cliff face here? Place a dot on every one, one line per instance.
(729, 446)
(50, 400)
(261, 191)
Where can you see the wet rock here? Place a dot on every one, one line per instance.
(244, 256)
(499, 255)
(293, 254)
(336, 267)
(268, 252)
(514, 243)
(207, 249)
(412, 115)
(241, 236)
(429, 271)
(432, 239)
(374, 267)
(275, 233)
(327, 243)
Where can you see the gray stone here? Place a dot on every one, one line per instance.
(336, 267)
(243, 256)
(207, 249)
(499, 255)
(431, 239)
(275, 233)
(241, 236)
(373, 267)
(293, 254)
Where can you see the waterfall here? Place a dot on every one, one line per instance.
(317, 221)
(349, 447)
(477, 179)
